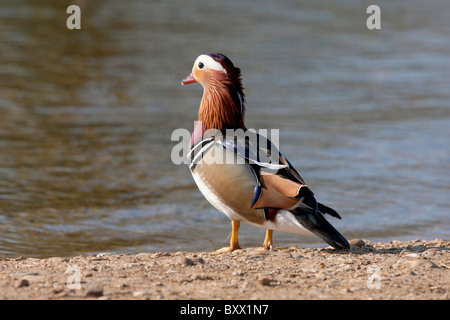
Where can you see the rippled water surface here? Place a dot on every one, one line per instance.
(86, 118)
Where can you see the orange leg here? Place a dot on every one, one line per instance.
(234, 243)
(268, 242)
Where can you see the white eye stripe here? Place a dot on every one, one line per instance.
(209, 63)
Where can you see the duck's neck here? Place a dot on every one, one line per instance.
(222, 107)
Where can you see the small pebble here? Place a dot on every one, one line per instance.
(22, 283)
(139, 293)
(238, 273)
(412, 255)
(265, 281)
(186, 262)
(94, 292)
(356, 243)
(104, 254)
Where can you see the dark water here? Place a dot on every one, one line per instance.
(86, 118)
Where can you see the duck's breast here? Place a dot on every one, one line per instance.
(227, 182)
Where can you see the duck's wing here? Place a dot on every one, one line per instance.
(280, 186)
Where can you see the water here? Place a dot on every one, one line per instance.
(86, 118)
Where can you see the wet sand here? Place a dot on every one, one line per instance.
(395, 270)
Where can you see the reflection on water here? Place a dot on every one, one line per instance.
(86, 118)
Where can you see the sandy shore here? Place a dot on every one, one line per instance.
(395, 270)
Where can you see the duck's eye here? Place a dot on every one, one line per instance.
(200, 65)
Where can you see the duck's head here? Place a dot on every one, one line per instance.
(222, 105)
(210, 68)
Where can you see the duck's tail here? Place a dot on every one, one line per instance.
(315, 222)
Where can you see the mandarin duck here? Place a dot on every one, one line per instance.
(244, 175)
